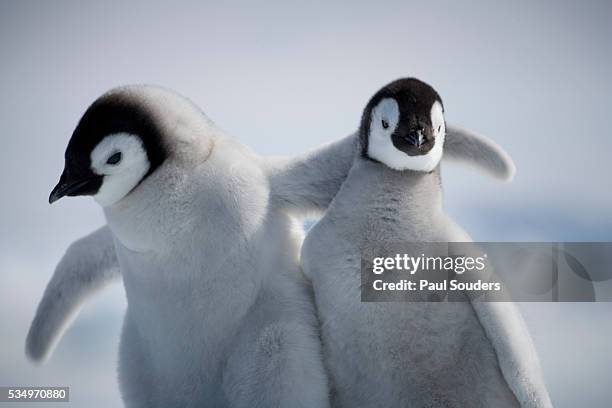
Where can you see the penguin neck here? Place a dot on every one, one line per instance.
(154, 212)
(392, 205)
(409, 194)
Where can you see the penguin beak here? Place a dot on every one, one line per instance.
(416, 138)
(420, 138)
(68, 186)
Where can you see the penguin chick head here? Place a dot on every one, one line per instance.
(117, 143)
(403, 126)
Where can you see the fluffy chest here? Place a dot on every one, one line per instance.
(367, 343)
(376, 207)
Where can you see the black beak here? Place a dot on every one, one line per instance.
(74, 187)
(416, 138)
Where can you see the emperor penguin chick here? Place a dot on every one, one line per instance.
(216, 316)
(419, 354)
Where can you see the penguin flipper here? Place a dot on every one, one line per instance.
(518, 360)
(87, 266)
(464, 146)
(309, 181)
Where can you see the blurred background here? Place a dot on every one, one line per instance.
(284, 77)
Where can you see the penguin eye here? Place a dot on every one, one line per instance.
(385, 124)
(114, 159)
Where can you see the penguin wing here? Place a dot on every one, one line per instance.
(505, 328)
(309, 181)
(464, 146)
(507, 332)
(87, 266)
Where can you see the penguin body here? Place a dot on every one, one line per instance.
(407, 354)
(394, 354)
(216, 316)
(220, 321)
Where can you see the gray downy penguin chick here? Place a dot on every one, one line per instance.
(216, 315)
(421, 354)
(304, 184)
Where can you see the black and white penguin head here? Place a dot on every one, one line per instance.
(121, 139)
(403, 126)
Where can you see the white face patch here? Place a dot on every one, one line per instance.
(122, 160)
(439, 130)
(380, 144)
